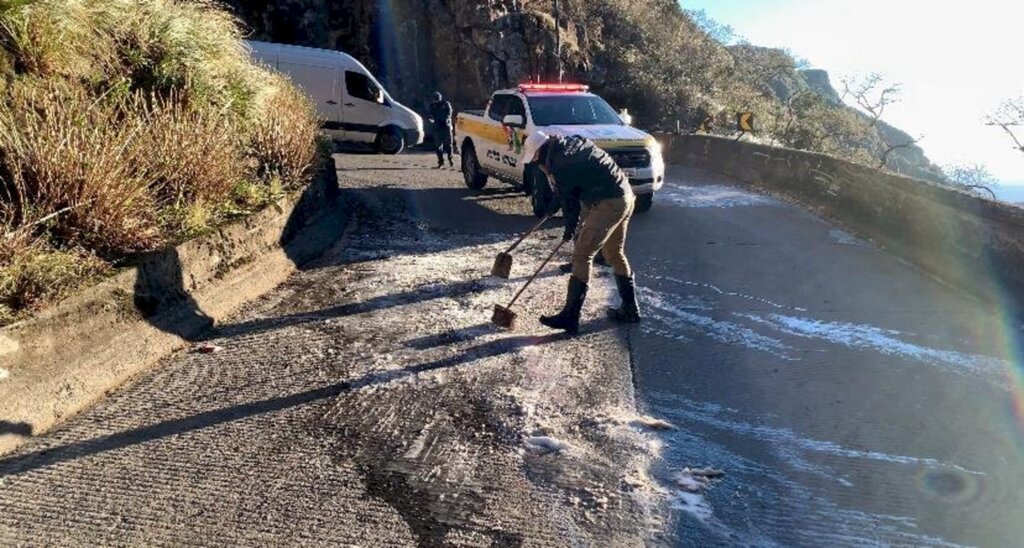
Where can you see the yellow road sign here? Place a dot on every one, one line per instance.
(745, 121)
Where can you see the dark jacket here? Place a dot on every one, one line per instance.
(583, 174)
(441, 114)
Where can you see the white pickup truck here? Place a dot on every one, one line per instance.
(491, 141)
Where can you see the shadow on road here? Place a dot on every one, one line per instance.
(23, 429)
(162, 296)
(48, 457)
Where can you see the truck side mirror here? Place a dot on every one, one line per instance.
(513, 120)
(626, 117)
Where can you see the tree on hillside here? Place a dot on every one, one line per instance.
(871, 93)
(1010, 117)
(724, 34)
(974, 178)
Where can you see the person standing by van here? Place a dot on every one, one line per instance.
(441, 122)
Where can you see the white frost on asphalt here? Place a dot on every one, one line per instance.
(716, 289)
(692, 503)
(790, 446)
(884, 341)
(653, 423)
(665, 310)
(842, 237)
(711, 196)
(546, 443)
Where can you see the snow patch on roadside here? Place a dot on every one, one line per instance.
(546, 444)
(692, 503)
(842, 237)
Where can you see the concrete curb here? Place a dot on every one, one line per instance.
(63, 360)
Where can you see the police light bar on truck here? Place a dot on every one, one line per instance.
(565, 88)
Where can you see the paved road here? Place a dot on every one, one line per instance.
(366, 401)
(848, 398)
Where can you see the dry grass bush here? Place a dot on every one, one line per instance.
(281, 135)
(68, 154)
(126, 125)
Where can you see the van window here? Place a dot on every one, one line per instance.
(359, 86)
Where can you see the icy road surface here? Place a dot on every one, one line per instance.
(849, 398)
(791, 385)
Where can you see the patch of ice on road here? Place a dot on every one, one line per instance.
(666, 311)
(842, 237)
(653, 423)
(884, 341)
(546, 443)
(692, 503)
(711, 196)
(4, 373)
(788, 444)
(716, 289)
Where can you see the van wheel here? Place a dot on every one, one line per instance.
(475, 178)
(541, 197)
(390, 141)
(644, 202)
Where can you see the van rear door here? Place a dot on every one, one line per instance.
(363, 107)
(320, 83)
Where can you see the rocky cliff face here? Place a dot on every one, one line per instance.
(464, 48)
(649, 56)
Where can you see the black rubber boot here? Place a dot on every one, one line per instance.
(451, 162)
(569, 318)
(630, 310)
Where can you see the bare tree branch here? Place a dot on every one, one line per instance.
(971, 177)
(1010, 117)
(884, 159)
(871, 94)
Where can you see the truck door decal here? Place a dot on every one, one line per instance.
(500, 158)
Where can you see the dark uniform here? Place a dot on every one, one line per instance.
(597, 204)
(441, 123)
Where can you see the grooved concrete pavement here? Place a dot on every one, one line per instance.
(367, 401)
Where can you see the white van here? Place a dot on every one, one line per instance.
(351, 102)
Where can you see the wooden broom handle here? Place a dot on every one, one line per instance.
(531, 231)
(536, 272)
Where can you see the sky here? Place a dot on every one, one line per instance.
(956, 62)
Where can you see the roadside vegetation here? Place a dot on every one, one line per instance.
(127, 126)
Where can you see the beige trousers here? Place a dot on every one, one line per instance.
(603, 229)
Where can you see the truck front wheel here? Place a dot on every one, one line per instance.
(474, 177)
(541, 196)
(644, 202)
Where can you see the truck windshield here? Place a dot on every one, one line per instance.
(571, 110)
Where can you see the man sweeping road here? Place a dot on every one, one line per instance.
(590, 188)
